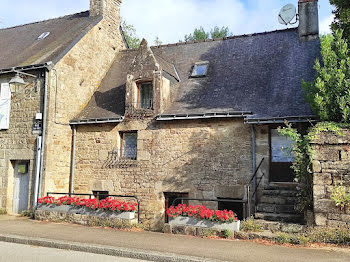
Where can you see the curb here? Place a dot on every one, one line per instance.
(102, 250)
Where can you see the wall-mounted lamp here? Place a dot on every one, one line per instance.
(17, 81)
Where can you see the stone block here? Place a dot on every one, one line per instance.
(320, 219)
(325, 206)
(319, 192)
(316, 166)
(178, 230)
(190, 231)
(235, 192)
(345, 218)
(167, 228)
(322, 179)
(336, 223)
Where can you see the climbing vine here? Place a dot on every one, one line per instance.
(303, 154)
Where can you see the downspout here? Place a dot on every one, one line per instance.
(254, 162)
(37, 171)
(43, 136)
(72, 164)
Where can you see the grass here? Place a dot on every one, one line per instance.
(323, 235)
(249, 225)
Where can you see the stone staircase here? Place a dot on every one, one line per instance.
(278, 204)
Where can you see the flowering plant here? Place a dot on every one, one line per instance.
(202, 212)
(105, 204)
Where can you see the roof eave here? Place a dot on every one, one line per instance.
(281, 120)
(171, 117)
(96, 121)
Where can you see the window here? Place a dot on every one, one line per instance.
(200, 69)
(100, 195)
(128, 145)
(281, 157)
(145, 97)
(43, 35)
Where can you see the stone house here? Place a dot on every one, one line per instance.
(192, 120)
(48, 72)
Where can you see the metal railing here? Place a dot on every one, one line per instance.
(244, 202)
(256, 185)
(91, 196)
(124, 153)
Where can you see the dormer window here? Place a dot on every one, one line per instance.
(145, 95)
(200, 69)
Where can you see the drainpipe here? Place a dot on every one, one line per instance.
(43, 136)
(72, 164)
(254, 161)
(37, 171)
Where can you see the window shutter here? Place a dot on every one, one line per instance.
(5, 106)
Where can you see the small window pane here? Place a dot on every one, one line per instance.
(200, 70)
(281, 147)
(146, 95)
(129, 149)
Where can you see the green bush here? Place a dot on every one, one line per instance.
(283, 238)
(227, 233)
(3, 211)
(249, 225)
(328, 235)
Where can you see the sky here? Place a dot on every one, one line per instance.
(170, 20)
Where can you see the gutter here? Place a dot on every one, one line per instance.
(281, 120)
(202, 116)
(26, 68)
(96, 121)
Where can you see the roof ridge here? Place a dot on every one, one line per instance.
(224, 38)
(46, 20)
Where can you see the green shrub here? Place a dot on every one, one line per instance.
(249, 225)
(227, 233)
(3, 211)
(328, 235)
(283, 238)
(26, 213)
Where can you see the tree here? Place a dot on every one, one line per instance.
(157, 41)
(342, 17)
(329, 94)
(130, 35)
(200, 34)
(217, 32)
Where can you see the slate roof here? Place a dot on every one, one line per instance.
(259, 73)
(19, 46)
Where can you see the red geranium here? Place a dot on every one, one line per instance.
(202, 212)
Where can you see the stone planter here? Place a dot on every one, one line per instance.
(86, 211)
(194, 222)
(85, 216)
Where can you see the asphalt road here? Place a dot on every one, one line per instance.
(10, 252)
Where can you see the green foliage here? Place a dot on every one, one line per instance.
(3, 211)
(325, 235)
(342, 16)
(328, 235)
(249, 225)
(302, 164)
(130, 35)
(200, 34)
(227, 233)
(157, 41)
(26, 213)
(340, 197)
(329, 94)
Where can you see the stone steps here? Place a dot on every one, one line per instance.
(278, 204)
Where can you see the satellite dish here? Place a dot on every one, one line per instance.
(287, 14)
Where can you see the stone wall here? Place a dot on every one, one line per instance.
(73, 81)
(18, 142)
(331, 165)
(205, 158)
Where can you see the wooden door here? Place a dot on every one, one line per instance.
(20, 187)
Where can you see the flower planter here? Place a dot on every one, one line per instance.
(86, 211)
(194, 222)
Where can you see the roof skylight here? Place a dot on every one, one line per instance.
(43, 35)
(200, 69)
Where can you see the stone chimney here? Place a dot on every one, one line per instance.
(308, 20)
(105, 8)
